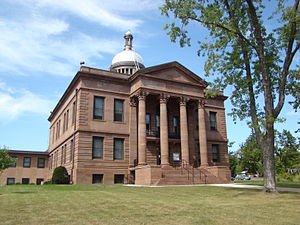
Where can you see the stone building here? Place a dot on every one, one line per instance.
(131, 124)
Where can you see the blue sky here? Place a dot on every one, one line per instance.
(42, 43)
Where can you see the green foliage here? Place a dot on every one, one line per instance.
(287, 152)
(243, 53)
(233, 163)
(60, 176)
(284, 177)
(5, 159)
(47, 182)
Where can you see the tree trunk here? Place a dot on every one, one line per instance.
(269, 163)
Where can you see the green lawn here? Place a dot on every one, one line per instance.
(115, 204)
(289, 184)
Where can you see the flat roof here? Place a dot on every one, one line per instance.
(28, 152)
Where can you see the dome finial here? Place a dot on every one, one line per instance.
(128, 40)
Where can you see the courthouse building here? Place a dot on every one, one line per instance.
(131, 124)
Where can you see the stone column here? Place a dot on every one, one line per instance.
(184, 137)
(164, 134)
(202, 133)
(142, 129)
(133, 132)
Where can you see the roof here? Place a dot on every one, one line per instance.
(28, 152)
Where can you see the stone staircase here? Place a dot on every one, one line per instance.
(186, 175)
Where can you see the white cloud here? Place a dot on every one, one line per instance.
(15, 103)
(33, 45)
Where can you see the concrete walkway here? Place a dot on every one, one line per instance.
(238, 186)
(256, 187)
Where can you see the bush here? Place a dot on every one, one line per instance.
(47, 182)
(60, 176)
(284, 177)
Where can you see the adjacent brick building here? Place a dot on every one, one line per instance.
(148, 126)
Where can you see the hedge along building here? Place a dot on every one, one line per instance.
(131, 124)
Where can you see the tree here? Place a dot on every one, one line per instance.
(287, 152)
(244, 54)
(250, 156)
(5, 159)
(233, 163)
(60, 176)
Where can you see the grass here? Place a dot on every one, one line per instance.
(289, 184)
(116, 204)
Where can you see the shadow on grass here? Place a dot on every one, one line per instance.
(23, 192)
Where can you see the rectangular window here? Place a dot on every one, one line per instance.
(213, 120)
(118, 110)
(97, 179)
(119, 179)
(67, 120)
(97, 147)
(74, 113)
(148, 123)
(215, 153)
(99, 108)
(10, 181)
(65, 154)
(196, 119)
(39, 181)
(41, 163)
(25, 180)
(62, 155)
(27, 162)
(118, 148)
(72, 150)
(15, 161)
(64, 123)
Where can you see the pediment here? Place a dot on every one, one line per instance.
(173, 72)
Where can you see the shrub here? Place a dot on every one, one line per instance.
(60, 176)
(47, 182)
(284, 177)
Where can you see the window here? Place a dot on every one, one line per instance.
(41, 163)
(26, 162)
(25, 180)
(175, 127)
(67, 120)
(97, 147)
(176, 156)
(62, 155)
(97, 179)
(74, 113)
(10, 181)
(15, 163)
(72, 150)
(198, 154)
(148, 123)
(119, 179)
(64, 123)
(215, 153)
(39, 181)
(213, 120)
(196, 119)
(99, 108)
(118, 110)
(118, 148)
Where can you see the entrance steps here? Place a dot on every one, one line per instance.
(185, 176)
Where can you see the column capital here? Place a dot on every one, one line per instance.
(201, 104)
(183, 101)
(141, 95)
(163, 98)
(132, 101)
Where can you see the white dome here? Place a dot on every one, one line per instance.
(128, 55)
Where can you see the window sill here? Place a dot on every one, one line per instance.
(119, 122)
(98, 120)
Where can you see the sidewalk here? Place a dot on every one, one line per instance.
(240, 186)
(243, 186)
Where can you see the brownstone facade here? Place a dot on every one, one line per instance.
(30, 168)
(153, 127)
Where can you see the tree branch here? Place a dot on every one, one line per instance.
(288, 60)
(236, 33)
